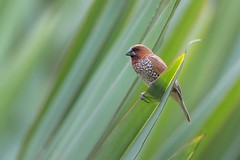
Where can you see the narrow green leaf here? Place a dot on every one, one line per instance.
(203, 111)
(66, 85)
(132, 131)
(187, 151)
(223, 123)
(97, 104)
(159, 91)
(159, 24)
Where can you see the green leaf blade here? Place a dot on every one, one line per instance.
(132, 131)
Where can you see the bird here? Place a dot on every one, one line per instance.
(149, 67)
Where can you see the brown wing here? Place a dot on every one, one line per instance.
(158, 64)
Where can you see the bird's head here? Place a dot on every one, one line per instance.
(138, 51)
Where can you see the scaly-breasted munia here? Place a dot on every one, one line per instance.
(149, 66)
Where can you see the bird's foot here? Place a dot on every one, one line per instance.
(145, 98)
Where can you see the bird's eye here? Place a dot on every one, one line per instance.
(136, 49)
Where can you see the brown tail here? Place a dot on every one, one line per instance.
(185, 111)
(177, 95)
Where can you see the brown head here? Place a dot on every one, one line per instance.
(138, 51)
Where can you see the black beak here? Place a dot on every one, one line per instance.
(130, 52)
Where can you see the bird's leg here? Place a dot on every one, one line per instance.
(145, 98)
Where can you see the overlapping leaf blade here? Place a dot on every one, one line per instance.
(64, 71)
(81, 119)
(187, 151)
(160, 91)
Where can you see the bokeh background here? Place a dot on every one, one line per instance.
(64, 74)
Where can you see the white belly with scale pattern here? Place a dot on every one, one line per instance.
(145, 71)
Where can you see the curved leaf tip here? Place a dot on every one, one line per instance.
(158, 87)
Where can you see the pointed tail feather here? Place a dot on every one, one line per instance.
(177, 95)
(185, 111)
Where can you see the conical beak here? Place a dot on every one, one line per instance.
(130, 52)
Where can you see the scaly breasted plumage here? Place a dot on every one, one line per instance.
(149, 66)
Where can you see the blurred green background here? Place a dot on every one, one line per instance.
(64, 74)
